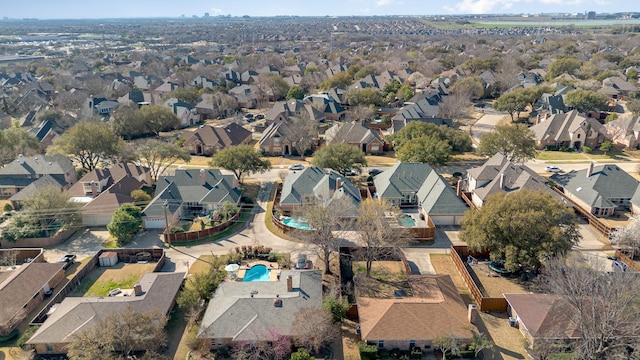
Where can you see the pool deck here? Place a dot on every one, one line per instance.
(273, 274)
(415, 215)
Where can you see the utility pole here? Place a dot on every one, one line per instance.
(166, 222)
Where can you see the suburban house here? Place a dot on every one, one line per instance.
(155, 292)
(18, 174)
(99, 106)
(103, 190)
(358, 135)
(185, 112)
(326, 185)
(569, 130)
(403, 322)
(253, 311)
(246, 95)
(45, 133)
(498, 174)
(331, 108)
(283, 110)
(601, 190)
(624, 131)
(542, 317)
(208, 140)
(23, 286)
(418, 185)
(187, 194)
(617, 87)
(280, 137)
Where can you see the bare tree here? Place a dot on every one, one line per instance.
(454, 106)
(602, 306)
(314, 328)
(328, 218)
(301, 132)
(377, 237)
(449, 344)
(628, 237)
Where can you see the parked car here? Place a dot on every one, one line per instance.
(552, 168)
(349, 172)
(296, 167)
(68, 259)
(259, 116)
(374, 172)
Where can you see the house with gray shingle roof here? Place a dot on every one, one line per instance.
(498, 174)
(418, 185)
(252, 311)
(208, 140)
(570, 130)
(601, 189)
(326, 185)
(76, 314)
(187, 194)
(19, 173)
(617, 87)
(624, 131)
(356, 134)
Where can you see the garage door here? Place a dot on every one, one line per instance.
(154, 224)
(443, 220)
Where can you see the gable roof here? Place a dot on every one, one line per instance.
(32, 189)
(606, 182)
(193, 186)
(76, 314)
(351, 133)
(559, 126)
(21, 284)
(516, 177)
(109, 176)
(544, 316)
(109, 200)
(294, 107)
(435, 309)
(434, 194)
(220, 136)
(38, 165)
(245, 311)
(314, 181)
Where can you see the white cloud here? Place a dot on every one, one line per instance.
(383, 2)
(489, 6)
(215, 11)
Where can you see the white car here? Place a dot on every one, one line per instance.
(552, 169)
(296, 167)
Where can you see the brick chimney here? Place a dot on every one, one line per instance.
(459, 188)
(289, 283)
(94, 188)
(472, 313)
(203, 177)
(590, 169)
(338, 183)
(502, 181)
(137, 289)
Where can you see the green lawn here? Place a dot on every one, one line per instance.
(579, 156)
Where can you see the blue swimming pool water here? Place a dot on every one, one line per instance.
(257, 273)
(294, 223)
(406, 221)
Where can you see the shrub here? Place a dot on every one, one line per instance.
(22, 341)
(273, 257)
(416, 353)
(301, 354)
(383, 353)
(586, 149)
(7, 207)
(337, 307)
(176, 229)
(140, 196)
(367, 352)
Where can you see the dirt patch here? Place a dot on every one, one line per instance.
(350, 340)
(387, 277)
(104, 279)
(493, 285)
(509, 342)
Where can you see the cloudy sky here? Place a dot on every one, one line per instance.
(48, 9)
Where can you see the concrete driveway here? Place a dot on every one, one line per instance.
(419, 260)
(84, 243)
(485, 124)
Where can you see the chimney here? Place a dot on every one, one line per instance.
(20, 159)
(590, 169)
(94, 189)
(289, 283)
(547, 116)
(538, 118)
(137, 289)
(472, 313)
(502, 181)
(459, 188)
(203, 177)
(338, 183)
(277, 302)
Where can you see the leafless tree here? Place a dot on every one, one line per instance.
(328, 218)
(507, 73)
(602, 306)
(8, 258)
(314, 328)
(302, 132)
(628, 237)
(377, 237)
(454, 106)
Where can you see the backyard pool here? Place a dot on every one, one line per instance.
(406, 220)
(257, 273)
(296, 223)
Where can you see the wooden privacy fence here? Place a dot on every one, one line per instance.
(627, 260)
(593, 220)
(200, 234)
(484, 303)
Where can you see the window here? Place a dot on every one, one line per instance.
(380, 344)
(412, 344)
(578, 136)
(375, 148)
(276, 141)
(49, 347)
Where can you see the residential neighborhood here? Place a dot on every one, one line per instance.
(348, 187)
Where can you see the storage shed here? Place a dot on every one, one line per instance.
(108, 258)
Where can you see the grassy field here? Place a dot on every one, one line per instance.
(491, 283)
(386, 278)
(103, 279)
(580, 156)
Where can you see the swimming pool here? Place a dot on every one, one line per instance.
(258, 273)
(406, 220)
(295, 223)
